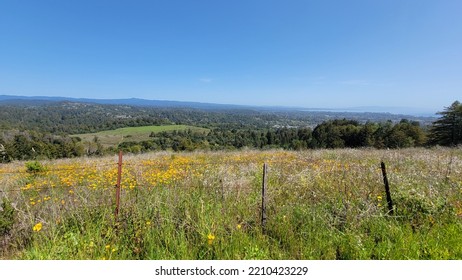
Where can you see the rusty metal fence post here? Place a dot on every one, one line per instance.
(263, 198)
(119, 178)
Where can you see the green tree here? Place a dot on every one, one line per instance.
(447, 130)
(337, 134)
(366, 134)
(405, 134)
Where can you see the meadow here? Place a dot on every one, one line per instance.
(111, 138)
(321, 204)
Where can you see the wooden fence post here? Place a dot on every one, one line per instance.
(119, 177)
(387, 188)
(263, 198)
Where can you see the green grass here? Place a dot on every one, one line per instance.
(326, 204)
(114, 137)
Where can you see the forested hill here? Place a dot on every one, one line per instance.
(67, 117)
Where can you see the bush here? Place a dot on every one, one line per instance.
(34, 167)
(7, 215)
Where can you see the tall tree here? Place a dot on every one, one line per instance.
(447, 130)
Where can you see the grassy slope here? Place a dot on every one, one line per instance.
(117, 136)
(326, 204)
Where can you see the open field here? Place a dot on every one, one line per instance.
(114, 137)
(321, 204)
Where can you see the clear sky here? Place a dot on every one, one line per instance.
(322, 53)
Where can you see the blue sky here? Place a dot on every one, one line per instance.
(254, 52)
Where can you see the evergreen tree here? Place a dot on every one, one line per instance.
(447, 130)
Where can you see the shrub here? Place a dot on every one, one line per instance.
(34, 167)
(7, 215)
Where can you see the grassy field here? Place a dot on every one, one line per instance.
(136, 134)
(322, 204)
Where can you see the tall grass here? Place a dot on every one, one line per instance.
(323, 204)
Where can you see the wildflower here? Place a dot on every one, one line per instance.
(239, 226)
(108, 247)
(148, 223)
(210, 238)
(379, 198)
(37, 227)
(114, 249)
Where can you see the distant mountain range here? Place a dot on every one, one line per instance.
(36, 100)
(12, 99)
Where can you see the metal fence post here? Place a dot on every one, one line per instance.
(263, 198)
(119, 178)
(387, 188)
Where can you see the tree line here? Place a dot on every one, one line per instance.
(329, 134)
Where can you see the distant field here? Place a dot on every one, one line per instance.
(126, 134)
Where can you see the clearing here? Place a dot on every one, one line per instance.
(114, 137)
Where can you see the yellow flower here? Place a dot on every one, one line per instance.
(37, 227)
(379, 198)
(107, 247)
(210, 238)
(239, 226)
(148, 223)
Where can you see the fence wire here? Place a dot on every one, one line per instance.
(185, 170)
(307, 172)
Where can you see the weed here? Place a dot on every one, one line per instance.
(7, 217)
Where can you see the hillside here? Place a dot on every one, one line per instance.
(75, 116)
(323, 204)
(56, 128)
